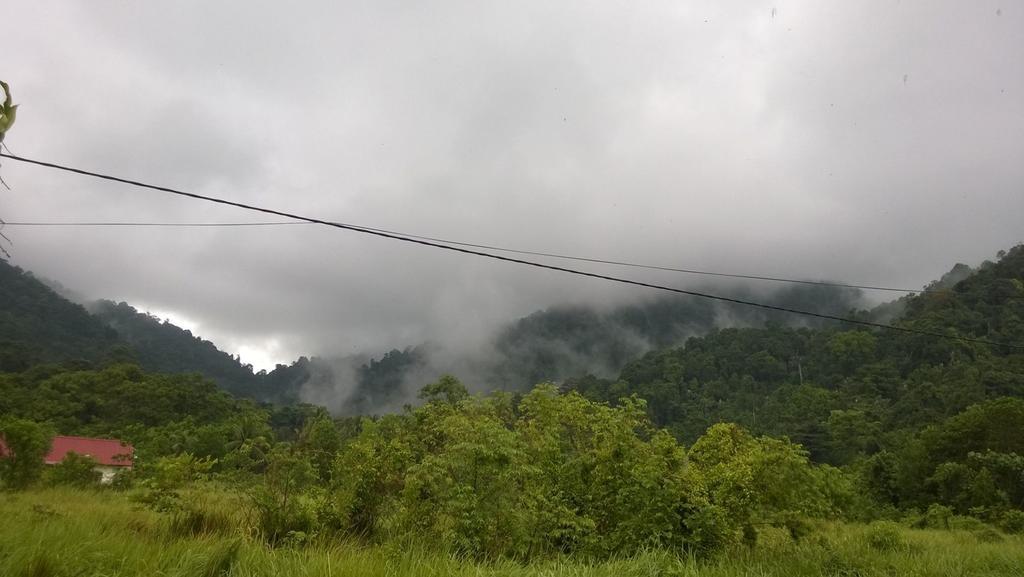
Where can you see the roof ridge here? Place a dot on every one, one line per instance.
(88, 438)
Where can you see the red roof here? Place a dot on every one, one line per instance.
(109, 452)
(105, 451)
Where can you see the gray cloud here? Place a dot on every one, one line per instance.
(873, 142)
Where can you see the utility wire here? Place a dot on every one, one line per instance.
(534, 264)
(159, 224)
(500, 249)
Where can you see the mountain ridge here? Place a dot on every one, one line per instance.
(552, 344)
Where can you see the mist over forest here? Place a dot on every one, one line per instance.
(590, 289)
(660, 414)
(547, 346)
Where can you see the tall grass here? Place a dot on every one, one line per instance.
(66, 532)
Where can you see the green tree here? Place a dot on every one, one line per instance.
(447, 389)
(852, 349)
(279, 501)
(606, 480)
(852, 433)
(167, 476)
(27, 443)
(467, 492)
(758, 479)
(369, 473)
(553, 473)
(75, 471)
(319, 441)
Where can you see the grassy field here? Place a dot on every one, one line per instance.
(63, 532)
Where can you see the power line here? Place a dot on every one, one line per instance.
(157, 224)
(501, 249)
(534, 264)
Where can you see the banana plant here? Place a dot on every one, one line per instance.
(8, 113)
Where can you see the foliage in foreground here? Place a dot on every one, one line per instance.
(62, 533)
(544, 474)
(24, 445)
(550, 474)
(489, 477)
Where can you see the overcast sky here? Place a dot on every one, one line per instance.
(873, 142)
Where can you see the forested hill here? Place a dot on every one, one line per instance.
(836, 388)
(757, 364)
(988, 304)
(551, 345)
(567, 341)
(913, 420)
(916, 419)
(163, 347)
(39, 326)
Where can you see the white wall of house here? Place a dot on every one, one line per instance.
(107, 472)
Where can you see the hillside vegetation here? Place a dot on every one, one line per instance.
(856, 451)
(38, 325)
(920, 419)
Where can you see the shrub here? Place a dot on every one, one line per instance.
(709, 530)
(279, 521)
(838, 564)
(27, 444)
(798, 528)
(553, 474)
(75, 471)
(1012, 522)
(167, 476)
(987, 535)
(124, 480)
(885, 536)
(965, 523)
(280, 506)
(937, 516)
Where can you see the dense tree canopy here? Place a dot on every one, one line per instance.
(690, 448)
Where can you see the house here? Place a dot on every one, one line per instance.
(111, 455)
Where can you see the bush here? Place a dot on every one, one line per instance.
(27, 444)
(1012, 522)
(75, 471)
(167, 476)
(987, 535)
(938, 516)
(965, 523)
(124, 480)
(710, 530)
(281, 507)
(279, 521)
(798, 528)
(838, 564)
(885, 536)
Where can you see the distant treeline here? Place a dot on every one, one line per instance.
(37, 325)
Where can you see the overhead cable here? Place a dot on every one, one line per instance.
(534, 264)
(492, 247)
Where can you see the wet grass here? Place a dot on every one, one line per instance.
(61, 532)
